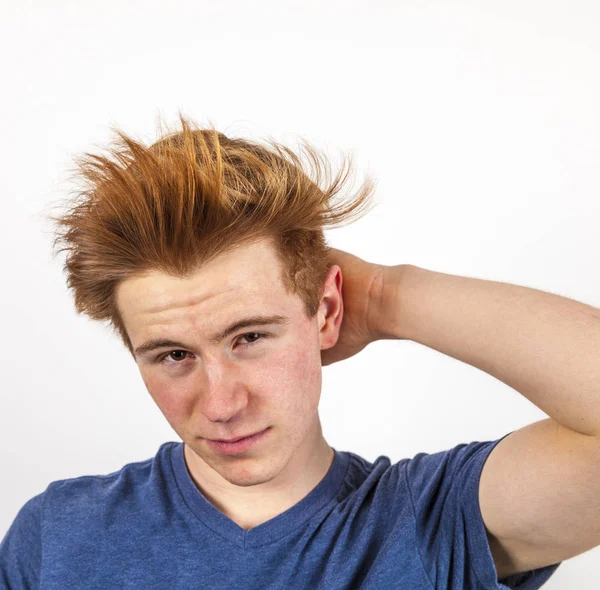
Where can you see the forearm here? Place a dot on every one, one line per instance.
(544, 346)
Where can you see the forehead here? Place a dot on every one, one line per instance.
(247, 279)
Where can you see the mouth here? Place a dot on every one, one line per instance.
(232, 440)
(240, 445)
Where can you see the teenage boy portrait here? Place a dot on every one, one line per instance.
(207, 255)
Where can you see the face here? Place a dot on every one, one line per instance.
(210, 384)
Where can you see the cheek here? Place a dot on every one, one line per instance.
(294, 378)
(170, 399)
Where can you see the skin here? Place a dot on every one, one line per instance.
(231, 389)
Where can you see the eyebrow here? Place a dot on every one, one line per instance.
(259, 320)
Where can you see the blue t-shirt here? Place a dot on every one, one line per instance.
(413, 525)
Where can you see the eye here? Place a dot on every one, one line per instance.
(177, 359)
(259, 335)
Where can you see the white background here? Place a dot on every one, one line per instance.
(480, 121)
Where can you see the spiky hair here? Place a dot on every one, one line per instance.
(190, 196)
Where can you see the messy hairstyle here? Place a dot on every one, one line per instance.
(190, 196)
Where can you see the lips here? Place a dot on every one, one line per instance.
(232, 440)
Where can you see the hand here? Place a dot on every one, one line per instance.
(362, 290)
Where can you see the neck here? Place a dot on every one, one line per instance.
(278, 487)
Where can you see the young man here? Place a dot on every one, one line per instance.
(207, 255)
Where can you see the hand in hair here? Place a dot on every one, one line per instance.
(365, 289)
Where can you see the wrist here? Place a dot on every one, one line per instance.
(397, 286)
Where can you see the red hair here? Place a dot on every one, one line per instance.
(191, 196)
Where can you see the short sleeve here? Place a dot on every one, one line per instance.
(453, 544)
(21, 548)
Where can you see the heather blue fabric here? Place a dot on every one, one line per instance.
(413, 525)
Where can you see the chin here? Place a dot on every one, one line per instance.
(245, 477)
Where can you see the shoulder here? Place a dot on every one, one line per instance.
(449, 526)
(90, 493)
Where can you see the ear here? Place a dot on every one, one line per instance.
(331, 308)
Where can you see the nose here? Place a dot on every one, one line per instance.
(222, 394)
